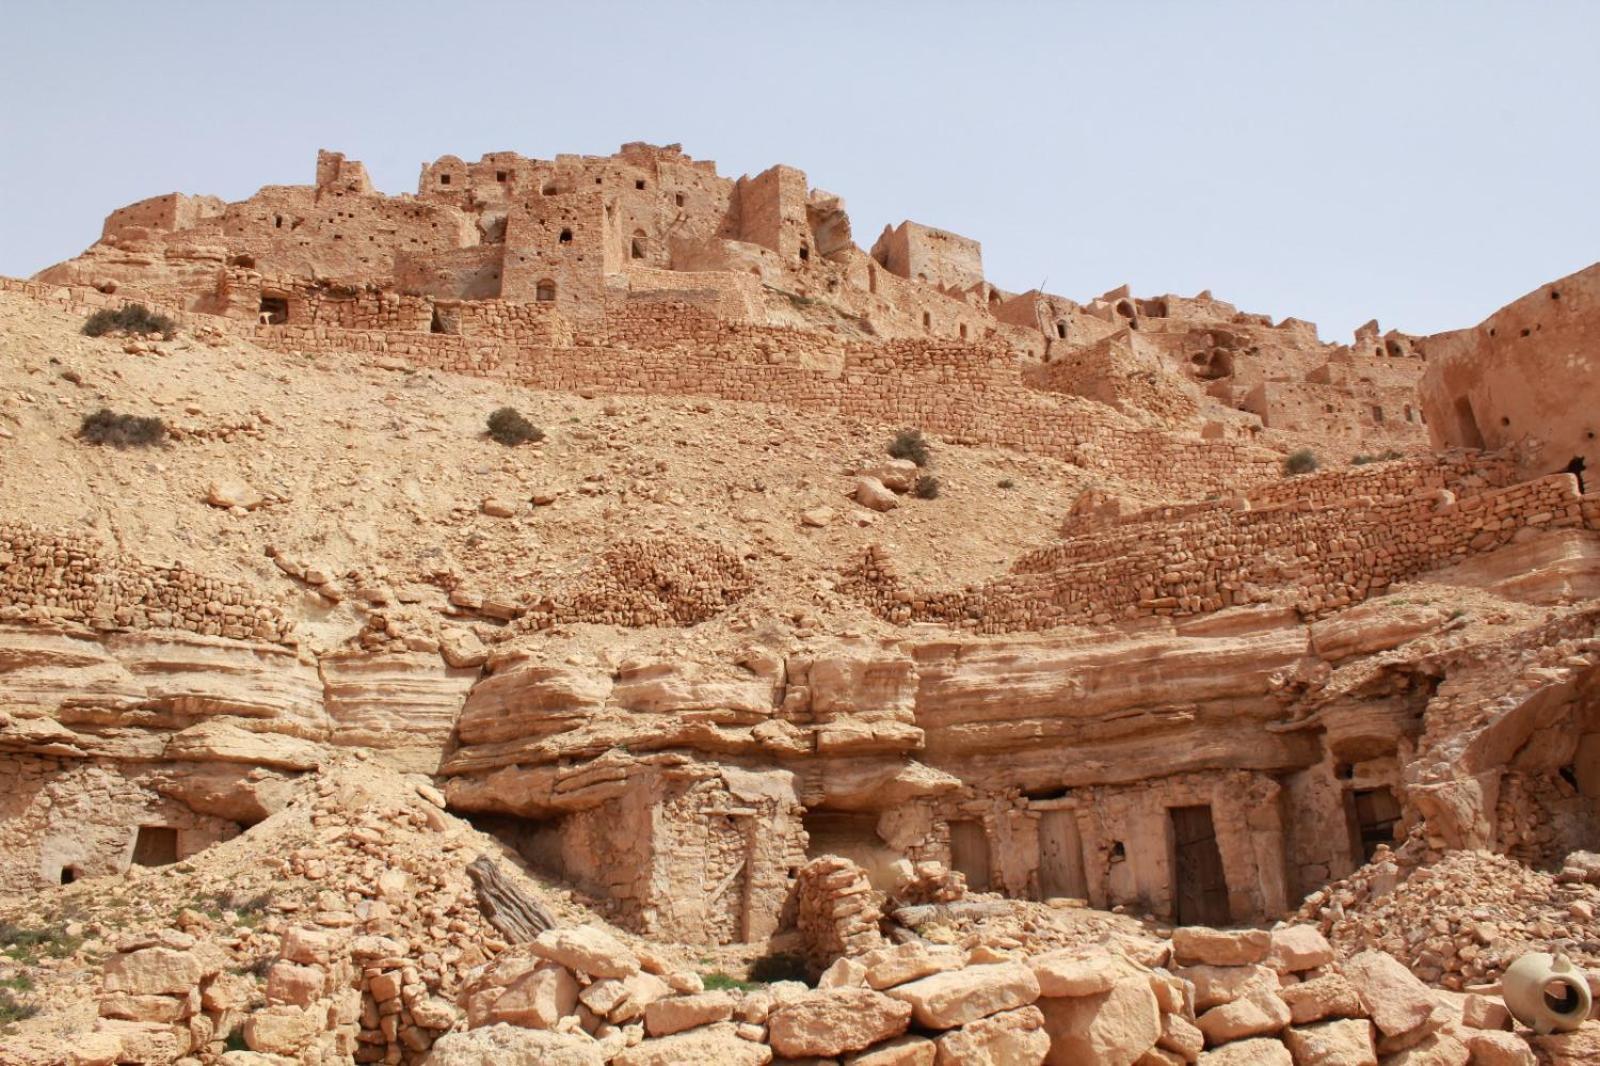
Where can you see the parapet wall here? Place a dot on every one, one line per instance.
(70, 577)
(1317, 559)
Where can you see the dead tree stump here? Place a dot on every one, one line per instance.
(518, 916)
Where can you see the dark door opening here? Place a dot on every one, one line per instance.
(969, 854)
(537, 840)
(274, 310)
(1375, 812)
(1200, 889)
(156, 845)
(1467, 424)
(1576, 468)
(1061, 871)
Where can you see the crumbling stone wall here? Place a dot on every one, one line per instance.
(839, 911)
(1249, 825)
(71, 577)
(80, 818)
(1319, 559)
(906, 382)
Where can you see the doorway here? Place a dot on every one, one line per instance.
(156, 845)
(1061, 871)
(969, 853)
(1375, 812)
(1467, 424)
(1200, 890)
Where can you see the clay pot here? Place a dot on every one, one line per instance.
(1546, 992)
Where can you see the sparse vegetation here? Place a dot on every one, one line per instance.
(926, 488)
(911, 444)
(26, 943)
(13, 1009)
(131, 318)
(1006, 483)
(719, 980)
(106, 426)
(1363, 459)
(508, 426)
(1303, 461)
(248, 911)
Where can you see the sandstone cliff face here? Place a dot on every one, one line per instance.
(641, 656)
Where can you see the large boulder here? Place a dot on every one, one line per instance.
(1297, 948)
(1499, 1048)
(715, 1045)
(1258, 1052)
(1346, 1042)
(1328, 996)
(901, 1051)
(677, 1013)
(1062, 974)
(1258, 1012)
(538, 999)
(870, 492)
(896, 965)
(946, 1000)
(1397, 1000)
(834, 1021)
(593, 951)
(1111, 1028)
(153, 971)
(506, 1045)
(1192, 944)
(1010, 1038)
(1216, 985)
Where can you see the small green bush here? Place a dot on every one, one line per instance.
(13, 1009)
(714, 981)
(106, 426)
(926, 488)
(130, 318)
(1300, 462)
(509, 427)
(910, 444)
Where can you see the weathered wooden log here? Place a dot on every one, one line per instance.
(518, 916)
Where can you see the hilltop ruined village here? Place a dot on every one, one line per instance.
(597, 610)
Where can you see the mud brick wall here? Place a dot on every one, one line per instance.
(53, 576)
(1316, 559)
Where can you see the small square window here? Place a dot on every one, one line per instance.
(501, 175)
(444, 179)
(639, 184)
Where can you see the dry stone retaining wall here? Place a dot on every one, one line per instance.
(1320, 559)
(70, 577)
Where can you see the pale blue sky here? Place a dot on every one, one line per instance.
(1423, 163)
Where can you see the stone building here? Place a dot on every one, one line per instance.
(588, 242)
(1510, 381)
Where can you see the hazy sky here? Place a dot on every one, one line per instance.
(1422, 163)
